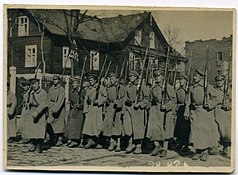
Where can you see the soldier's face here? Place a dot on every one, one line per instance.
(158, 79)
(55, 81)
(220, 83)
(75, 84)
(26, 87)
(196, 77)
(92, 81)
(113, 80)
(35, 85)
(132, 78)
(182, 82)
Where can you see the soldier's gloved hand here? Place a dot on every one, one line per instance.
(95, 103)
(79, 106)
(128, 103)
(115, 105)
(192, 106)
(225, 108)
(89, 101)
(205, 106)
(153, 102)
(136, 106)
(11, 116)
(162, 108)
(186, 117)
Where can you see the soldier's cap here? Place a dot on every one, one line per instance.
(76, 78)
(92, 75)
(219, 78)
(33, 80)
(86, 84)
(25, 82)
(199, 71)
(182, 77)
(158, 72)
(113, 74)
(56, 77)
(134, 73)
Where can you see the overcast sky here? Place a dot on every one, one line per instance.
(192, 25)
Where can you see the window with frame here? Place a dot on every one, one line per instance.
(134, 62)
(94, 60)
(23, 26)
(138, 37)
(152, 40)
(66, 62)
(219, 56)
(30, 56)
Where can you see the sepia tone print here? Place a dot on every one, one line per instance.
(119, 89)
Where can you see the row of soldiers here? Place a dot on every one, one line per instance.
(115, 110)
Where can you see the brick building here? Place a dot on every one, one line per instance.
(219, 53)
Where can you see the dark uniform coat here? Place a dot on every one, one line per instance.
(56, 105)
(204, 132)
(76, 117)
(182, 128)
(112, 124)
(35, 121)
(223, 118)
(11, 119)
(134, 120)
(161, 124)
(93, 114)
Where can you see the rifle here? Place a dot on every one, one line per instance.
(226, 88)
(205, 87)
(138, 89)
(81, 79)
(165, 80)
(118, 89)
(175, 74)
(188, 82)
(99, 78)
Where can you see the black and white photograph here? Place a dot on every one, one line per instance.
(119, 89)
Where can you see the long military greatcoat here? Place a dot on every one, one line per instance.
(76, 117)
(56, 105)
(161, 124)
(223, 118)
(204, 131)
(112, 124)
(11, 119)
(93, 114)
(35, 121)
(134, 120)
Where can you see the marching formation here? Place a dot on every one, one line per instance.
(107, 112)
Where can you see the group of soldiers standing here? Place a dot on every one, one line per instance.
(105, 113)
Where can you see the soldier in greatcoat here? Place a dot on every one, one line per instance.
(182, 128)
(112, 126)
(93, 111)
(26, 84)
(204, 133)
(161, 121)
(135, 113)
(11, 114)
(223, 113)
(76, 117)
(56, 107)
(35, 121)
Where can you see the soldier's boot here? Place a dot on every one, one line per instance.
(32, 148)
(90, 144)
(59, 142)
(73, 144)
(204, 156)
(214, 151)
(163, 153)
(39, 148)
(226, 151)
(118, 148)
(130, 148)
(155, 151)
(138, 149)
(112, 145)
(196, 156)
